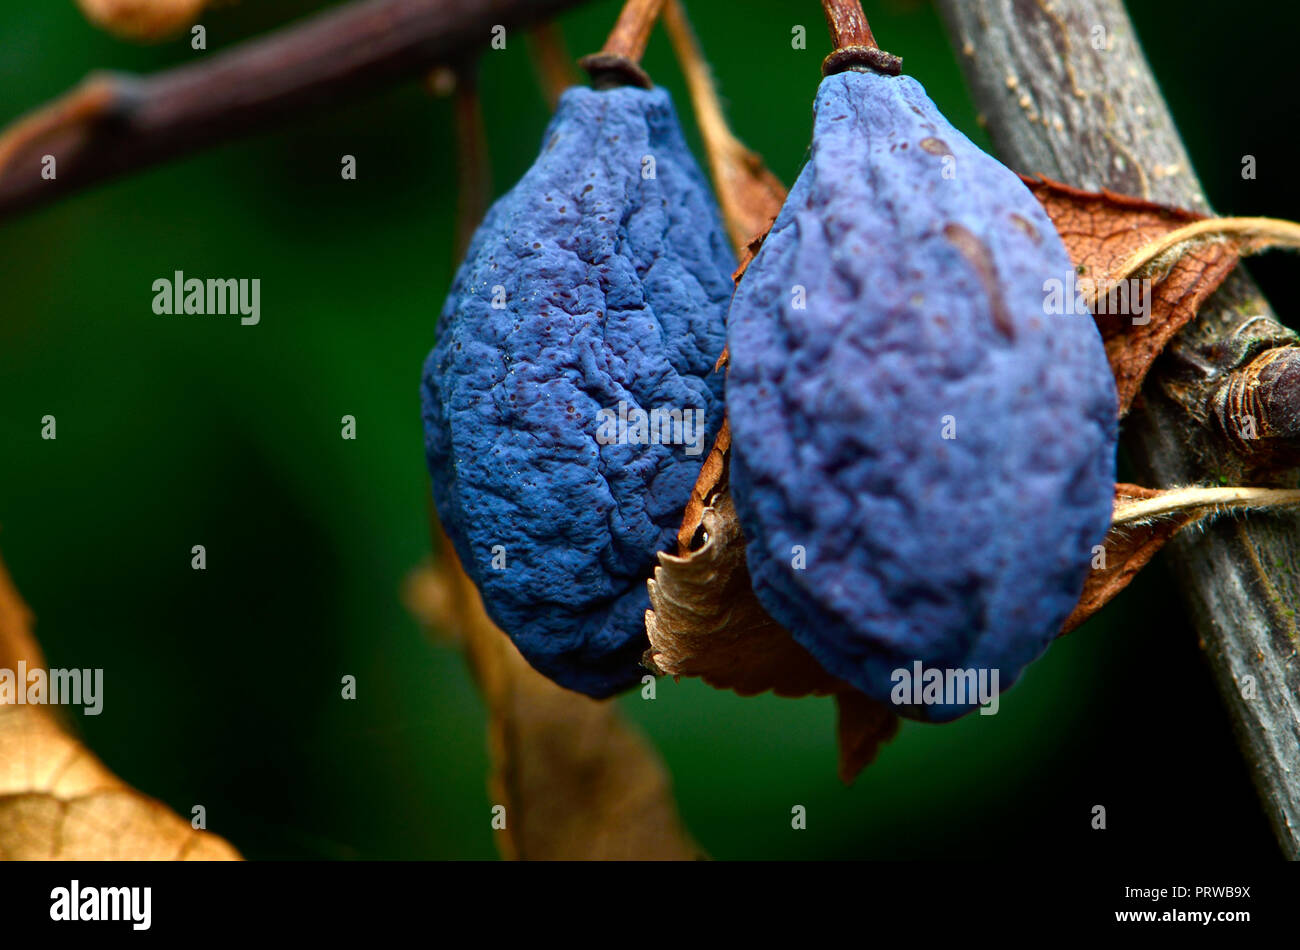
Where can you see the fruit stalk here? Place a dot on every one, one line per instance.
(619, 61)
(855, 45)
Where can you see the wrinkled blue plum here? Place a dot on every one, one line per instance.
(923, 456)
(593, 296)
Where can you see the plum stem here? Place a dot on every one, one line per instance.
(855, 46)
(619, 61)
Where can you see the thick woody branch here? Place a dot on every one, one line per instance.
(114, 123)
(1066, 92)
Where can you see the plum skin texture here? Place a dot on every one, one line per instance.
(925, 305)
(615, 283)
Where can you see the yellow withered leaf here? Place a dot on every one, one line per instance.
(57, 800)
(574, 778)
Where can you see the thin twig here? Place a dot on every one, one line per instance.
(473, 166)
(555, 70)
(631, 32)
(114, 124)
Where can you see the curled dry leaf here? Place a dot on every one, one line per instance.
(577, 782)
(750, 197)
(1128, 548)
(711, 475)
(1244, 235)
(1103, 232)
(705, 621)
(57, 801)
(1146, 518)
(863, 726)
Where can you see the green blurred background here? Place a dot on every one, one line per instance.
(222, 687)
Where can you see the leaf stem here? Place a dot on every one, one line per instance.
(1176, 501)
(749, 194)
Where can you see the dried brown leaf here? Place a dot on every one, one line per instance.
(863, 726)
(750, 196)
(577, 782)
(1145, 519)
(57, 801)
(705, 621)
(1104, 230)
(711, 477)
(1128, 549)
(17, 644)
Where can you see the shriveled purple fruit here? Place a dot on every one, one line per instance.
(594, 291)
(923, 457)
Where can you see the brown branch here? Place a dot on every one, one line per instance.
(473, 166)
(1057, 104)
(113, 124)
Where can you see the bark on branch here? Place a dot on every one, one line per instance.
(1067, 92)
(115, 123)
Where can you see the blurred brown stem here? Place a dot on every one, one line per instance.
(749, 194)
(555, 69)
(114, 124)
(473, 166)
(848, 24)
